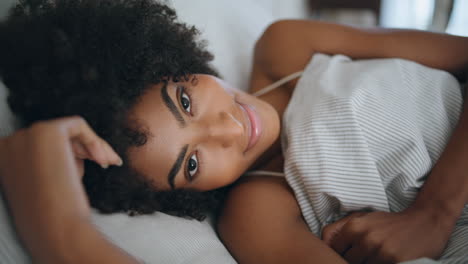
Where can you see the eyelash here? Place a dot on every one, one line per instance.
(181, 89)
(199, 165)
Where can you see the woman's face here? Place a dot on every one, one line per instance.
(203, 134)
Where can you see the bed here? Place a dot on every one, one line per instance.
(231, 29)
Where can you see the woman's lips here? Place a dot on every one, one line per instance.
(254, 125)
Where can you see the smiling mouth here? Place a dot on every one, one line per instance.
(247, 125)
(253, 123)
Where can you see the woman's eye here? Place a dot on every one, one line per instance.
(192, 166)
(185, 102)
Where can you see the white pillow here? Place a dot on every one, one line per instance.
(160, 238)
(8, 122)
(11, 250)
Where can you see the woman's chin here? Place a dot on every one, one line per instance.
(272, 125)
(259, 153)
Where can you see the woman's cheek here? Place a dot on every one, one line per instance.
(227, 169)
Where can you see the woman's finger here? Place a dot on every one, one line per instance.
(355, 255)
(98, 150)
(345, 233)
(79, 151)
(360, 252)
(113, 157)
(331, 230)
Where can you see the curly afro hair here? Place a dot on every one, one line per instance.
(95, 58)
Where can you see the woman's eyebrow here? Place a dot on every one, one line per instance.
(171, 106)
(176, 167)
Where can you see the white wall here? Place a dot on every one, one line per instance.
(284, 9)
(458, 24)
(418, 14)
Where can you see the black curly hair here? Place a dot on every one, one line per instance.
(96, 58)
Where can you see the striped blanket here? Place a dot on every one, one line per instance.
(363, 135)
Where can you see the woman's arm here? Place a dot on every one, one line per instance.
(287, 45)
(40, 175)
(261, 223)
(446, 189)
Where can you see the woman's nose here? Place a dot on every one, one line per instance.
(226, 129)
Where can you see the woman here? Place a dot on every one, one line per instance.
(180, 132)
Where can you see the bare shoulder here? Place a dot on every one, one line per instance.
(277, 54)
(260, 194)
(262, 223)
(248, 213)
(281, 50)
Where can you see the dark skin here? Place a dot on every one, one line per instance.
(246, 225)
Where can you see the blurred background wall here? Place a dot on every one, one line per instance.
(426, 14)
(437, 15)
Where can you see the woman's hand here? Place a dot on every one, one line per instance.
(41, 168)
(381, 237)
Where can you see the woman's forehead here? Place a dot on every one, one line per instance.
(156, 157)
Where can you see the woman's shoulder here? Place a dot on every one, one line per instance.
(259, 195)
(277, 55)
(262, 223)
(278, 52)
